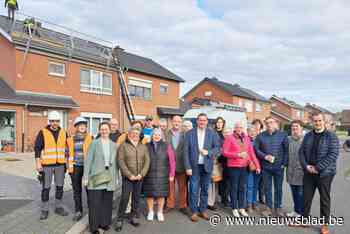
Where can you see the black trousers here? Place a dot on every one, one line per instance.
(225, 184)
(100, 208)
(129, 186)
(311, 182)
(76, 178)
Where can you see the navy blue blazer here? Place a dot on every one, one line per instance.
(191, 149)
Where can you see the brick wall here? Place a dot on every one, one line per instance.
(7, 61)
(217, 93)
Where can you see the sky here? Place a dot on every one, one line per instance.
(292, 48)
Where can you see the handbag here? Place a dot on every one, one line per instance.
(217, 172)
(103, 177)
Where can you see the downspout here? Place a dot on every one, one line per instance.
(23, 125)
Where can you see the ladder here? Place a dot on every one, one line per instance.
(29, 41)
(123, 88)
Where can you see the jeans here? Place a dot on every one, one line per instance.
(199, 180)
(275, 176)
(298, 198)
(238, 177)
(253, 181)
(310, 183)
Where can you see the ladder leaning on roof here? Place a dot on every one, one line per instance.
(29, 41)
(123, 88)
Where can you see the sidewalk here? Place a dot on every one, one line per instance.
(20, 199)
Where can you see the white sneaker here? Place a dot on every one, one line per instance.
(243, 212)
(293, 214)
(150, 216)
(235, 213)
(160, 217)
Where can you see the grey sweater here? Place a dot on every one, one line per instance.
(295, 171)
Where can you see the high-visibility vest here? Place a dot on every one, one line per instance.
(54, 152)
(12, 2)
(70, 143)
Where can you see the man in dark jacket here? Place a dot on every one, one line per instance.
(200, 148)
(271, 146)
(318, 155)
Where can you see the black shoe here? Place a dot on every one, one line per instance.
(184, 211)
(134, 222)
(118, 226)
(44, 214)
(95, 232)
(77, 216)
(61, 211)
(213, 208)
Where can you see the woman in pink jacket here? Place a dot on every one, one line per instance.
(239, 152)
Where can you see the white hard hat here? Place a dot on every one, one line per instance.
(79, 120)
(54, 115)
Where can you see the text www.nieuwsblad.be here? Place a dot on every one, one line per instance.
(217, 219)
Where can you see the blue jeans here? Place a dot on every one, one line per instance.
(199, 181)
(238, 177)
(253, 181)
(298, 198)
(277, 177)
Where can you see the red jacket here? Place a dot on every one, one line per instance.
(232, 148)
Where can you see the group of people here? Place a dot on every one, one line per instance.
(239, 165)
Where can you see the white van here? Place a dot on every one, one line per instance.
(230, 116)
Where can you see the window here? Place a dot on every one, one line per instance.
(140, 88)
(240, 102)
(57, 69)
(164, 89)
(208, 93)
(248, 105)
(94, 119)
(95, 82)
(300, 114)
(257, 107)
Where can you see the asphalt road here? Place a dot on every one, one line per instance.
(176, 223)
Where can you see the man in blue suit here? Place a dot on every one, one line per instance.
(200, 147)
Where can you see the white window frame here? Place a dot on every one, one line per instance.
(91, 115)
(164, 86)
(248, 103)
(99, 87)
(258, 107)
(54, 73)
(208, 93)
(146, 84)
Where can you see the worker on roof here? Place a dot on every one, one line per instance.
(50, 147)
(31, 27)
(12, 6)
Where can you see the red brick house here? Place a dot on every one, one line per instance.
(257, 106)
(286, 110)
(345, 119)
(312, 108)
(75, 77)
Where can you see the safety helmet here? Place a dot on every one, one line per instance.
(54, 115)
(80, 120)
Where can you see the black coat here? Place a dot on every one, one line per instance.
(156, 182)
